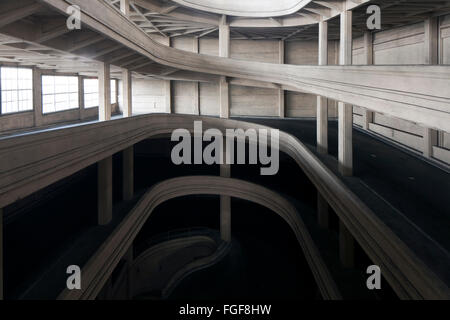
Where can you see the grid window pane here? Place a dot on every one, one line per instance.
(90, 93)
(17, 89)
(58, 93)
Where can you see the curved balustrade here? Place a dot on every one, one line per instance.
(31, 162)
(100, 266)
(415, 93)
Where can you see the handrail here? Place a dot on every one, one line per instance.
(33, 161)
(101, 265)
(415, 93)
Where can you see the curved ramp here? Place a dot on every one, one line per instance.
(101, 265)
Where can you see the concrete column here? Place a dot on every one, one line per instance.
(168, 96)
(37, 97)
(432, 40)
(346, 246)
(167, 85)
(345, 111)
(430, 136)
(322, 102)
(322, 211)
(196, 95)
(127, 93)
(1, 254)
(125, 7)
(430, 139)
(281, 95)
(368, 53)
(322, 123)
(225, 202)
(104, 188)
(81, 97)
(104, 92)
(224, 38)
(224, 51)
(128, 173)
(224, 98)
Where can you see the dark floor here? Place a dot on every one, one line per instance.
(410, 195)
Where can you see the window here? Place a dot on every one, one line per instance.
(90, 93)
(17, 89)
(59, 93)
(113, 91)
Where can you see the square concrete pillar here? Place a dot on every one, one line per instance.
(127, 93)
(345, 111)
(281, 93)
(104, 92)
(224, 98)
(322, 102)
(125, 7)
(224, 38)
(104, 189)
(368, 53)
(345, 143)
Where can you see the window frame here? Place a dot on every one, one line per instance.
(59, 75)
(6, 65)
(116, 90)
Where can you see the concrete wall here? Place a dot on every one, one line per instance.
(404, 45)
(148, 96)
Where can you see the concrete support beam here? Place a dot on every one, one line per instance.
(432, 40)
(168, 96)
(346, 39)
(37, 97)
(346, 246)
(224, 38)
(224, 51)
(127, 93)
(224, 98)
(368, 54)
(167, 84)
(430, 136)
(345, 143)
(322, 211)
(345, 111)
(322, 102)
(196, 95)
(1, 255)
(323, 43)
(104, 92)
(104, 189)
(281, 95)
(322, 125)
(125, 7)
(430, 140)
(128, 173)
